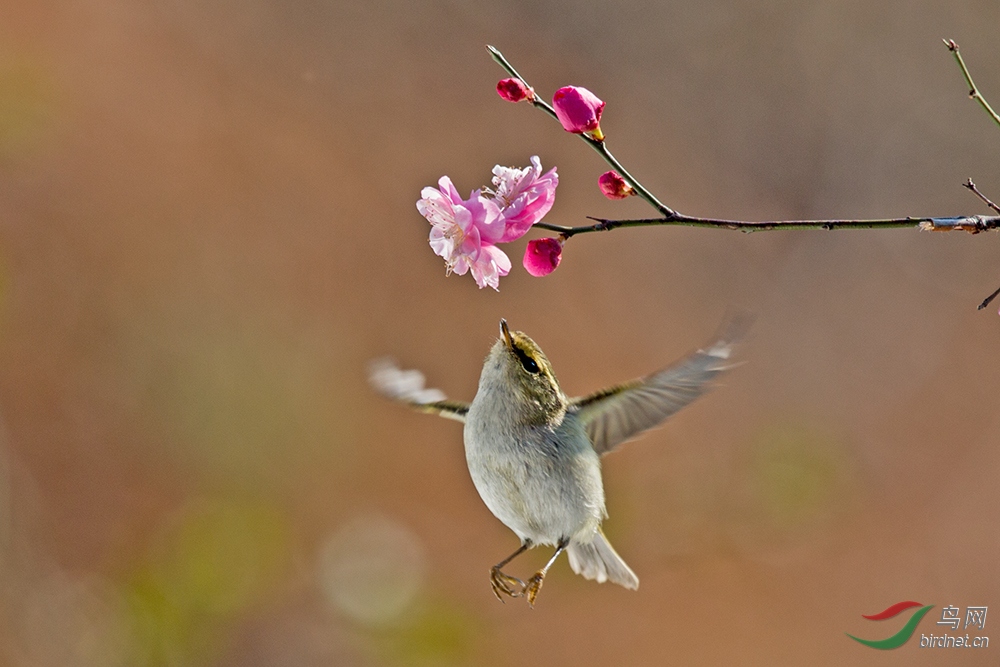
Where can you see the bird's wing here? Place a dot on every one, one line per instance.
(614, 415)
(408, 387)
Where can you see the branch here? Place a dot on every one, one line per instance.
(973, 91)
(972, 224)
(988, 299)
(972, 186)
(669, 216)
(598, 146)
(976, 95)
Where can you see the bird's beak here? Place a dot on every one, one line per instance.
(505, 332)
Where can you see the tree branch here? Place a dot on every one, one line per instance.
(972, 186)
(988, 299)
(669, 216)
(973, 91)
(598, 146)
(972, 224)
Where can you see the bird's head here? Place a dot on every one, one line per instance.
(518, 369)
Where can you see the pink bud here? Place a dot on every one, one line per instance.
(514, 90)
(614, 186)
(542, 256)
(579, 111)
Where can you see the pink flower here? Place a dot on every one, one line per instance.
(491, 263)
(542, 256)
(579, 111)
(463, 232)
(514, 90)
(524, 196)
(614, 186)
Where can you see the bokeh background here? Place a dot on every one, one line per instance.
(207, 230)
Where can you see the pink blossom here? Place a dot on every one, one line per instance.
(524, 196)
(514, 90)
(579, 111)
(463, 232)
(491, 263)
(542, 256)
(614, 186)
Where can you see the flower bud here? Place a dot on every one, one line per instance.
(514, 90)
(579, 111)
(614, 186)
(542, 256)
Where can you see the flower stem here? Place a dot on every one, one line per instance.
(973, 91)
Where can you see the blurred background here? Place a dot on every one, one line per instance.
(207, 230)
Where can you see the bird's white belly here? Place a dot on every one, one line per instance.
(543, 494)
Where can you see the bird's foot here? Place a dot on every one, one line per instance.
(504, 583)
(534, 585)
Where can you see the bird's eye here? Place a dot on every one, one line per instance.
(527, 363)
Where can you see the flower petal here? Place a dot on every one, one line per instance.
(524, 195)
(490, 265)
(485, 216)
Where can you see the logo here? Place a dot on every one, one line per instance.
(901, 637)
(950, 615)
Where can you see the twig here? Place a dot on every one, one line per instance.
(973, 224)
(669, 216)
(598, 146)
(976, 95)
(987, 300)
(972, 186)
(973, 91)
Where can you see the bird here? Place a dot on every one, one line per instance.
(534, 454)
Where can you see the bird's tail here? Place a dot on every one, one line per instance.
(598, 560)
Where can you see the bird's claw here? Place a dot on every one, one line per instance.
(504, 583)
(531, 589)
